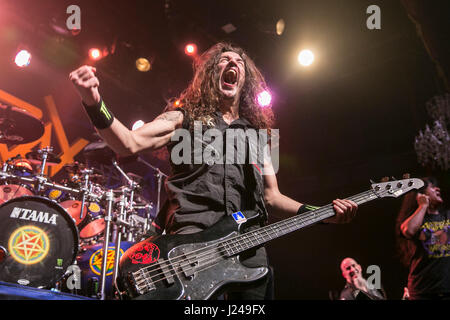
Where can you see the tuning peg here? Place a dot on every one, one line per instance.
(393, 178)
(385, 179)
(406, 176)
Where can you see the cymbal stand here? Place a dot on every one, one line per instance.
(159, 175)
(40, 177)
(120, 229)
(123, 217)
(108, 219)
(84, 190)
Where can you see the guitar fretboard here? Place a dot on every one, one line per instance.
(262, 235)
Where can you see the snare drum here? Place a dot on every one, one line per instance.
(41, 238)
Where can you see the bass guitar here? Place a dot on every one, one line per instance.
(196, 266)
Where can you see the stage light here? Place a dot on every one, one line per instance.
(23, 59)
(281, 25)
(306, 58)
(137, 125)
(264, 99)
(190, 49)
(143, 65)
(95, 54)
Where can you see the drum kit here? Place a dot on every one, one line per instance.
(53, 234)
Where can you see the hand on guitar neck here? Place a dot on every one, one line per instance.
(345, 211)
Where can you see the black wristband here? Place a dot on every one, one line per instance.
(100, 116)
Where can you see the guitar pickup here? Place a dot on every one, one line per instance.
(190, 268)
(167, 274)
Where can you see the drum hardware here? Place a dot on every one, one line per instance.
(144, 221)
(15, 181)
(43, 157)
(3, 253)
(87, 188)
(119, 230)
(108, 219)
(124, 207)
(159, 175)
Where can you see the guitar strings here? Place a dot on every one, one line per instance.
(216, 246)
(294, 219)
(218, 249)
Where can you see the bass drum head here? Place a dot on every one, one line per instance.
(90, 262)
(41, 239)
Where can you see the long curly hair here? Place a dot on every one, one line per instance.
(405, 248)
(202, 97)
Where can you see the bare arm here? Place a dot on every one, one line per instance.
(153, 135)
(411, 225)
(123, 141)
(345, 209)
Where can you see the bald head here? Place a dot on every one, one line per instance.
(351, 270)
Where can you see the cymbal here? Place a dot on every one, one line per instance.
(99, 152)
(18, 126)
(74, 167)
(136, 178)
(97, 178)
(35, 157)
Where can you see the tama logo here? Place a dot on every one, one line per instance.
(33, 215)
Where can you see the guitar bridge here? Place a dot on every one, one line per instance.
(142, 284)
(144, 280)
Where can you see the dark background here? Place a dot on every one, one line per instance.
(350, 117)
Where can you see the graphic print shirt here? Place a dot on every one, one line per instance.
(430, 265)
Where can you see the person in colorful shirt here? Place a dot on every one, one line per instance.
(423, 228)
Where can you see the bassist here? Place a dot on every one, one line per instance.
(222, 95)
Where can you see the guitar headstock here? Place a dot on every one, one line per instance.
(396, 188)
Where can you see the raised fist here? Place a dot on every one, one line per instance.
(423, 199)
(87, 84)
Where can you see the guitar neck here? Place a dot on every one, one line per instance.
(262, 235)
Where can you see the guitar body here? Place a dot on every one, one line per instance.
(177, 267)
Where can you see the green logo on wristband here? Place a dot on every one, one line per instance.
(105, 111)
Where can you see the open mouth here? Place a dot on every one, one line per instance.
(230, 77)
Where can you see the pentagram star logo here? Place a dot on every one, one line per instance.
(29, 245)
(96, 261)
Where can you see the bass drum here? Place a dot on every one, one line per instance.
(41, 239)
(90, 262)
